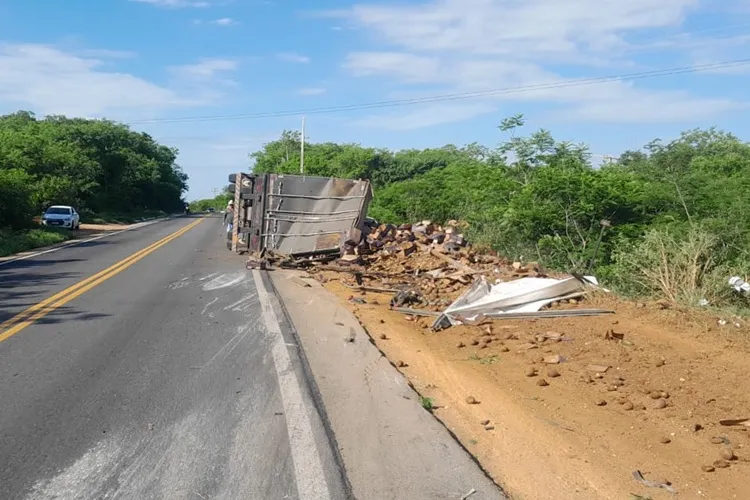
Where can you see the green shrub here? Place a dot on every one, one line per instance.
(680, 262)
(16, 208)
(12, 242)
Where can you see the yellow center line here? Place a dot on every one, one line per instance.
(80, 284)
(41, 309)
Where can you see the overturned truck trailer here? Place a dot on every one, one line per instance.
(296, 215)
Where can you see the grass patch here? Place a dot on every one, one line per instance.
(489, 360)
(12, 242)
(485, 361)
(427, 403)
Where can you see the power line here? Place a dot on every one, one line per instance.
(458, 96)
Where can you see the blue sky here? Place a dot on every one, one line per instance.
(146, 62)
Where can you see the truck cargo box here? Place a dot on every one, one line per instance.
(301, 215)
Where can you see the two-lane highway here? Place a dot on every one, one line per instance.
(151, 365)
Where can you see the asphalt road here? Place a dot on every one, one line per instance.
(169, 377)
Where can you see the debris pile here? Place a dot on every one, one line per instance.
(403, 240)
(433, 271)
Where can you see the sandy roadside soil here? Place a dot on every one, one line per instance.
(101, 228)
(565, 431)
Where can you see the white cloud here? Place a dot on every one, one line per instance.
(47, 80)
(108, 54)
(543, 28)
(653, 107)
(425, 116)
(224, 21)
(410, 68)
(311, 91)
(469, 45)
(206, 68)
(206, 80)
(293, 57)
(175, 4)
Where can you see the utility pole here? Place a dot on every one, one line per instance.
(302, 150)
(215, 191)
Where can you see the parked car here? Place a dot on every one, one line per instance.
(211, 210)
(62, 216)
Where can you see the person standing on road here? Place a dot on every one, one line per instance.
(229, 215)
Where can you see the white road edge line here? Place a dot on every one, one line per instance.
(73, 243)
(308, 468)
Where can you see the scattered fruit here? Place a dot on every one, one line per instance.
(471, 400)
(460, 345)
(485, 422)
(553, 373)
(665, 440)
(628, 406)
(721, 464)
(504, 349)
(655, 395)
(728, 454)
(542, 383)
(383, 336)
(660, 404)
(708, 468)
(531, 372)
(601, 402)
(401, 364)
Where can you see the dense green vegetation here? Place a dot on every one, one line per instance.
(12, 242)
(95, 165)
(105, 170)
(218, 203)
(679, 224)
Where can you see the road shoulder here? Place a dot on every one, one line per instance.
(390, 446)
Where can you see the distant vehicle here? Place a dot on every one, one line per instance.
(211, 210)
(62, 216)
